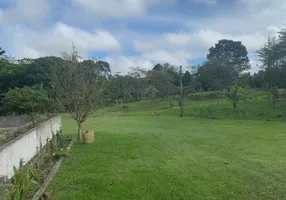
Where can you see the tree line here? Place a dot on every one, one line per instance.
(53, 84)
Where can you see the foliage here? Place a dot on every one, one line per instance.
(214, 75)
(205, 95)
(23, 183)
(2, 52)
(27, 100)
(235, 95)
(274, 95)
(125, 108)
(187, 78)
(232, 54)
(273, 58)
(28, 177)
(151, 92)
(165, 80)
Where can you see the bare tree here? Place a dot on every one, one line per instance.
(78, 88)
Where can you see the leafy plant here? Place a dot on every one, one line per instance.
(151, 92)
(125, 108)
(23, 183)
(235, 95)
(274, 95)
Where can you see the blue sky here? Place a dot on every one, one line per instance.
(136, 33)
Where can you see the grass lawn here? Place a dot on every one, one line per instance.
(166, 157)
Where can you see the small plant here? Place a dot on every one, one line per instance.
(234, 95)
(23, 183)
(133, 156)
(125, 108)
(274, 96)
(57, 144)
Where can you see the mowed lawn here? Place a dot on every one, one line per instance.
(166, 157)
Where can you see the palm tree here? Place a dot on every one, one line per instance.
(234, 95)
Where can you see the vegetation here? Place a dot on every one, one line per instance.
(234, 95)
(226, 65)
(149, 153)
(77, 88)
(29, 177)
(165, 157)
(27, 100)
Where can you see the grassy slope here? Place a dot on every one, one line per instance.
(165, 157)
(256, 109)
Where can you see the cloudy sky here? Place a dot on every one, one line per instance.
(130, 33)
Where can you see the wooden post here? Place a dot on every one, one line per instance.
(181, 95)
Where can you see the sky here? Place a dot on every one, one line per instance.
(137, 33)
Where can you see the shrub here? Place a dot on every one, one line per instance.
(26, 100)
(205, 95)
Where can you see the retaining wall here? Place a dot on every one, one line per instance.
(26, 145)
(14, 121)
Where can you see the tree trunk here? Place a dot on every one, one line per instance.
(79, 124)
(234, 106)
(181, 96)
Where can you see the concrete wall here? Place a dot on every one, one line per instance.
(14, 121)
(26, 145)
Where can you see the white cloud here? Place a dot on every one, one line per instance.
(171, 57)
(29, 43)
(204, 39)
(124, 63)
(26, 11)
(179, 48)
(117, 8)
(251, 23)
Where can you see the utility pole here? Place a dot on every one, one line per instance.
(181, 95)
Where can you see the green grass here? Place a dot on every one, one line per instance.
(255, 109)
(166, 157)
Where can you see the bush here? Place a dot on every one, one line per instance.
(26, 100)
(205, 95)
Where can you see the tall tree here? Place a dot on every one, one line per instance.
(273, 58)
(214, 75)
(187, 78)
(157, 67)
(2, 52)
(268, 53)
(98, 66)
(76, 87)
(232, 54)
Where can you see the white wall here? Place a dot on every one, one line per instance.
(26, 145)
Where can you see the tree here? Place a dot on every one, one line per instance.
(214, 75)
(27, 100)
(2, 52)
(157, 67)
(151, 92)
(98, 66)
(162, 81)
(76, 88)
(232, 54)
(273, 58)
(187, 78)
(234, 95)
(267, 54)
